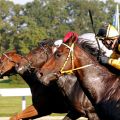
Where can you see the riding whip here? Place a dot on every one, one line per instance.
(90, 14)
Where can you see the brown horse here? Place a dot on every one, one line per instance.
(45, 99)
(99, 84)
(85, 108)
(42, 104)
(74, 92)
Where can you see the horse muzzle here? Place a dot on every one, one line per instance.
(47, 79)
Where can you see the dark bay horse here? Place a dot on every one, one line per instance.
(100, 85)
(85, 108)
(44, 99)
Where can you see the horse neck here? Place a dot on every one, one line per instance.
(67, 83)
(37, 62)
(70, 87)
(93, 78)
(29, 78)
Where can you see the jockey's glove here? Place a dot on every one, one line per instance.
(103, 59)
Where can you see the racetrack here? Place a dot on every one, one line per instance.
(45, 118)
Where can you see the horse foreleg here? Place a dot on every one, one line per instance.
(27, 113)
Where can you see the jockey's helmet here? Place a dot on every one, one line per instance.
(109, 32)
(70, 35)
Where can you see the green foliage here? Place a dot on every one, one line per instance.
(23, 26)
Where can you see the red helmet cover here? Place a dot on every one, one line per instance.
(70, 35)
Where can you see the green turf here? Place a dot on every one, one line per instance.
(12, 105)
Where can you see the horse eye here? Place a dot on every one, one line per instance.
(57, 54)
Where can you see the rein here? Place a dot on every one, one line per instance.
(71, 54)
(10, 59)
(29, 62)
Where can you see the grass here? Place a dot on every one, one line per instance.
(11, 105)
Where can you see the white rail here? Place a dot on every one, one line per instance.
(23, 92)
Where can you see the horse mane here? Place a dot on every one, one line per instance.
(88, 42)
(48, 42)
(91, 48)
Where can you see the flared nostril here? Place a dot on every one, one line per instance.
(39, 75)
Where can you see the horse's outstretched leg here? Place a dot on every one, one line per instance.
(72, 115)
(29, 112)
(92, 116)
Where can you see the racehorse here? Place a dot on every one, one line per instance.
(85, 109)
(99, 84)
(82, 108)
(41, 104)
(45, 99)
(33, 60)
(74, 96)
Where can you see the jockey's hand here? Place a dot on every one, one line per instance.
(103, 59)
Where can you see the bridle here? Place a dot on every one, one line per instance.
(30, 63)
(9, 59)
(46, 51)
(71, 54)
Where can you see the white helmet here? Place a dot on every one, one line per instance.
(58, 42)
(111, 32)
(108, 31)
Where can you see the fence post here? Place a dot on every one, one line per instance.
(23, 102)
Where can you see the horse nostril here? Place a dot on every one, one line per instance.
(39, 75)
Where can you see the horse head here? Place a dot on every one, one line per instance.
(58, 62)
(37, 57)
(8, 61)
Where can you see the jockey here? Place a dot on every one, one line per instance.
(70, 37)
(111, 39)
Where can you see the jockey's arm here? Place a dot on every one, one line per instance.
(115, 63)
(114, 60)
